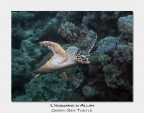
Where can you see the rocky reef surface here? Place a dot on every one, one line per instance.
(108, 77)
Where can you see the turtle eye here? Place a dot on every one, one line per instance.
(83, 56)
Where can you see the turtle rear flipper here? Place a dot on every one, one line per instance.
(34, 78)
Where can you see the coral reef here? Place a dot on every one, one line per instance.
(124, 53)
(49, 88)
(107, 45)
(88, 91)
(105, 22)
(25, 53)
(22, 17)
(108, 77)
(125, 26)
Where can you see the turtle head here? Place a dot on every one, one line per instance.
(82, 57)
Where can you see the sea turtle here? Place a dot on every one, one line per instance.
(65, 58)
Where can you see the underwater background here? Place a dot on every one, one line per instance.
(108, 77)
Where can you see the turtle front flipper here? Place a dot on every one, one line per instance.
(57, 50)
(89, 42)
